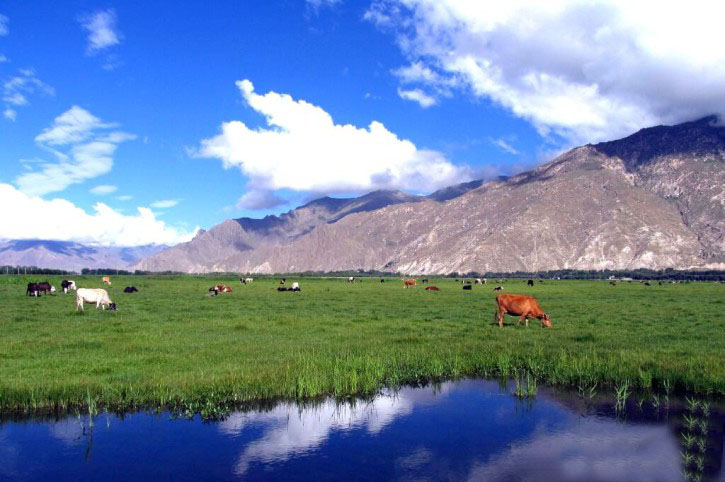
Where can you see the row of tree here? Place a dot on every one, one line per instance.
(637, 274)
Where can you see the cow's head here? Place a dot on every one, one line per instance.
(52, 289)
(546, 321)
(112, 306)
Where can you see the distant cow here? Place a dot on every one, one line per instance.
(221, 288)
(432, 288)
(530, 282)
(410, 282)
(498, 288)
(424, 281)
(32, 290)
(295, 286)
(467, 287)
(282, 288)
(647, 283)
(282, 281)
(524, 307)
(351, 279)
(484, 281)
(97, 296)
(46, 287)
(67, 284)
(107, 280)
(245, 281)
(130, 289)
(613, 283)
(479, 281)
(382, 280)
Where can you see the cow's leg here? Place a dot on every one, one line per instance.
(521, 318)
(501, 312)
(527, 321)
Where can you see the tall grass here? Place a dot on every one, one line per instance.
(171, 345)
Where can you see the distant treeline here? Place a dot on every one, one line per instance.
(637, 274)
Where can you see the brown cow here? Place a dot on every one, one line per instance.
(432, 288)
(221, 288)
(410, 282)
(106, 280)
(521, 306)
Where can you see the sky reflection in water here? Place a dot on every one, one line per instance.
(460, 430)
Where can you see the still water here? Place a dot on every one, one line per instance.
(470, 429)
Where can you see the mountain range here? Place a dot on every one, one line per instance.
(655, 199)
(71, 256)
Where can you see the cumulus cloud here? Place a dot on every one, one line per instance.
(261, 199)
(84, 148)
(64, 221)
(124, 197)
(103, 189)
(16, 89)
(585, 71)
(417, 95)
(168, 203)
(303, 149)
(101, 28)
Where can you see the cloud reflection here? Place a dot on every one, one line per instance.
(592, 450)
(290, 430)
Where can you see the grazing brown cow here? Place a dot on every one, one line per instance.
(410, 282)
(521, 306)
(432, 288)
(107, 280)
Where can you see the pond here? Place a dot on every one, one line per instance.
(468, 429)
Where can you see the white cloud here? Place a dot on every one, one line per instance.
(16, 89)
(103, 189)
(101, 28)
(3, 58)
(4, 25)
(259, 200)
(124, 197)
(417, 95)
(504, 146)
(302, 149)
(323, 3)
(585, 71)
(86, 152)
(165, 204)
(62, 220)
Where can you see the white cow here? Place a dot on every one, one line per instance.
(97, 296)
(248, 280)
(295, 286)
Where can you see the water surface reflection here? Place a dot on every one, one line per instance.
(469, 429)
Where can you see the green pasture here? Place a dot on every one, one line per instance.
(172, 345)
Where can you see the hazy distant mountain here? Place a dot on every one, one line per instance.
(71, 256)
(654, 199)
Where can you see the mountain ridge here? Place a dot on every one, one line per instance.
(653, 199)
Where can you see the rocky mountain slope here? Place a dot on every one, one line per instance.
(71, 256)
(655, 199)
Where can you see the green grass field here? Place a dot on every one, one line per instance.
(172, 345)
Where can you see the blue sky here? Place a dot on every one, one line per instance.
(111, 107)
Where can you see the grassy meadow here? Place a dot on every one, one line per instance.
(171, 345)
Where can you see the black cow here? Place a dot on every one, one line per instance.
(46, 287)
(33, 290)
(130, 289)
(382, 280)
(467, 287)
(282, 288)
(530, 282)
(67, 285)
(424, 281)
